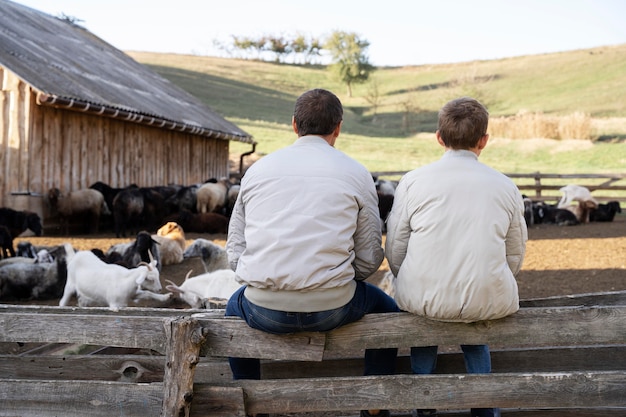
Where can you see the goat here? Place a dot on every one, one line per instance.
(605, 212)
(6, 243)
(143, 249)
(86, 202)
(545, 213)
(200, 222)
(573, 192)
(212, 197)
(196, 291)
(20, 221)
(213, 256)
(95, 282)
(171, 239)
(28, 280)
(26, 249)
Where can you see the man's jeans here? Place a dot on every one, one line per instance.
(367, 299)
(477, 361)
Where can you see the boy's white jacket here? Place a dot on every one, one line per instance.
(456, 238)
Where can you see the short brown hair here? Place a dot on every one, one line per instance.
(317, 112)
(462, 122)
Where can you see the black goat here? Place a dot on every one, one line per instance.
(605, 212)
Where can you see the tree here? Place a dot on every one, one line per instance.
(349, 56)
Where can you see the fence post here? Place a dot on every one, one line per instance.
(184, 339)
(538, 185)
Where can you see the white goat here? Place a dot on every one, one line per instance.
(573, 192)
(586, 203)
(213, 256)
(196, 291)
(171, 239)
(212, 196)
(97, 283)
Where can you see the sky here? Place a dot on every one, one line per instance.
(400, 32)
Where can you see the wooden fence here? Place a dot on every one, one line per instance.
(565, 354)
(545, 187)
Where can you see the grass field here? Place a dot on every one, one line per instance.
(389, 122)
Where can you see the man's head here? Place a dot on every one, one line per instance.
(462, 124)
(317, 112)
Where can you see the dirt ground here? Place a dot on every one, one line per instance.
(560, 260)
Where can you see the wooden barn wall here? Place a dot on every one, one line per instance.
(43, 147)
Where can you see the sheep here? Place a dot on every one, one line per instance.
(386, 191)
(136, 207)
(233, 193)
(212, 197)
(87, 202)
(19, 222)
(143, 249)
(200, 222)
(605, 212)
(213, 256)
(196, 291)
(184, 198)
(42, 254)
(127, 208)
(95, 282)
(385, 186)
(28, 280)
(6, 243)
(171, 239)
(108, 192)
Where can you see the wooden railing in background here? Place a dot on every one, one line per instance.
(545, 187)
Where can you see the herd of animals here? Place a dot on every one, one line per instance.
(130, 272)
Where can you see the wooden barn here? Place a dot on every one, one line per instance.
(75, 110)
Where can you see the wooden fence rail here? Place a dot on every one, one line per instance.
(560, 353)
(543, 186)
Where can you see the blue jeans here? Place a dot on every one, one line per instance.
(477, 361)
(367, 299)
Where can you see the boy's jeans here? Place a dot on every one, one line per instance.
(477, 361)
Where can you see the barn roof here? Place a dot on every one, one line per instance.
(69, 67)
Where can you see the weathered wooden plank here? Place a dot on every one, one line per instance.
(405, 392)
(143, 368)
(223, 402)
(121, 368)
(230, 336)
(124, 311)
(78, 398)
(126, 331)
(537, 327)
(612, 298)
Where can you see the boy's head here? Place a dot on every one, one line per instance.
(462, 123)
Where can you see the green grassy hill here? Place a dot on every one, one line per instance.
(389, 121)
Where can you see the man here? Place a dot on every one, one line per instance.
(304, 234)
